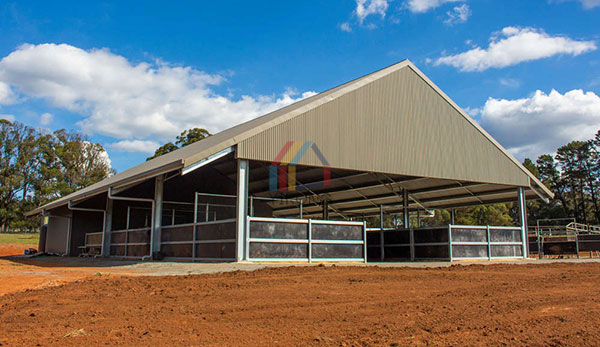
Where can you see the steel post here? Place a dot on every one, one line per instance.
(405, 213)
(242, 209)
(157, 213)
(107, 228)
(523, 220)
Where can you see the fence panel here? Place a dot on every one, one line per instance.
(278, 239)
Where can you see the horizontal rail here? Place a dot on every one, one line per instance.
(303, 221)
(189, 242)
(130, 230)
(306, 259)
(130, 244)
(220, 221)
(88, 245)
(199, 258)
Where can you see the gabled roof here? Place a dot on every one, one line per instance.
(236, 135)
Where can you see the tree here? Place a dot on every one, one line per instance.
(190, 136)
(18, 153)
(71, 162)
(186, 137)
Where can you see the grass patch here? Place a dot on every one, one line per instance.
(21, 238)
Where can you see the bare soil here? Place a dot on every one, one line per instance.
(555, 304)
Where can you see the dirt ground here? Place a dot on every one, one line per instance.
(548, 304)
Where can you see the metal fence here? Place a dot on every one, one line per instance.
(211, 235)
(468, 242)
(130, 243)
(92, 243)
(278, 239)
(454, 242)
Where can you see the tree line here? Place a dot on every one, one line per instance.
(38, 166)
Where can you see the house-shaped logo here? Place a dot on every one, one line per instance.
(282, 172)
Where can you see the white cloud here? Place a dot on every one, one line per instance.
(510, 82)
(365, 8)
(587, 4)
(135, 146)
(7, 96)
(459, 14)
(46, 118)
(8, 117)
(543, 122)
(345, 27)
(472, 111)
(422, 6)
(129, 101)
(515, 45)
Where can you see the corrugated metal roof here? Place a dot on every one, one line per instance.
(413, 107)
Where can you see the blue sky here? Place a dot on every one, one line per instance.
(133, 76)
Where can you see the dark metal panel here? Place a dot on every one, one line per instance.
(468, 235)
(218, 231)
(184, 233)
(460, 251)
(215, 250)
(503, 235)
(276, 230)
(278, 250)
(431, 235)
(336, 232)
(431, 252)
(506, 251)
(337, 251)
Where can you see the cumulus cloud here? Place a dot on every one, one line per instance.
(422, 6)
(129, 101)
(459, 14)
(135, 146)
(46, 118)
(365, 8)
(514, 45)
(541, 123)
(7, 96)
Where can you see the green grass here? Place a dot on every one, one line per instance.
(21, 238)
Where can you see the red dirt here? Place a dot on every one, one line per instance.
(554, 304)
(14, 248)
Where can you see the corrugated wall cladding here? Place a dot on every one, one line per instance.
(396, 124)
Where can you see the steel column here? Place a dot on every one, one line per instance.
(381, 235)
(107, 228)
(309, 241)
(157, 213)
(523, 220)
(242, 209)
(405, 213)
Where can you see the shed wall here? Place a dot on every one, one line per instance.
(396, 124)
